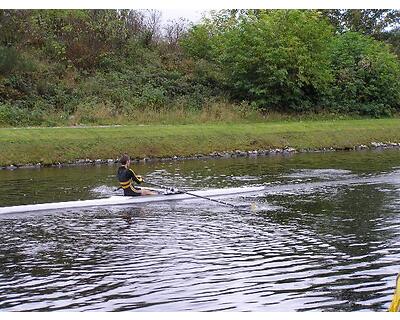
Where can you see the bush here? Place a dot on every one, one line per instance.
(275, 60)
(90, 112)
(198, 43)
(94, 64)
(12, 61)
(366, 76)
(16, 116)
(8, 60)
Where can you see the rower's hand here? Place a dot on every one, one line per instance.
(140, 177)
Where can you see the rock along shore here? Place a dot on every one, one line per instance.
(214, 155)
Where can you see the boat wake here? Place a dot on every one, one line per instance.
(108, 197)
(104, 191)
(392, 178)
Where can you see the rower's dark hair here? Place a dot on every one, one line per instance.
(124, 159)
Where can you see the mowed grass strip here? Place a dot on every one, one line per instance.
(51, 145)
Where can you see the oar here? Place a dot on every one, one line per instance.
(197, 196)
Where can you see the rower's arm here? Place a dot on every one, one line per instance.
(137, 179)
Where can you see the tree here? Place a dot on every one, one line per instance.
(392, 37)
(278, 60)
(134, 21)
(366, 75)
(372, 22)
(153, 26)
(175, 30)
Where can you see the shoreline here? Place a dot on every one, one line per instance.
(377, 146)
(55, 147)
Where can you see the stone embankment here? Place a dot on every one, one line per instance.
(214, 155)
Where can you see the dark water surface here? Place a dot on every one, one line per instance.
(325, 236)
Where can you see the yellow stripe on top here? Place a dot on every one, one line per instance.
(133, 189)
(128, 184)
(125, 183)
(139, 179)
(395, 305)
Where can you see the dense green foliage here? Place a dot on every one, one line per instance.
(382, 24)
(366, 21)
(367, 75)
(276, 60)
(292, 60)
(84, 66)
(91, 64)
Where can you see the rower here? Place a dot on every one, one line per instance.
(126, 177)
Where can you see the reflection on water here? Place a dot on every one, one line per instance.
(324, 237)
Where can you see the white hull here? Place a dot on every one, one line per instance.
(121, 200)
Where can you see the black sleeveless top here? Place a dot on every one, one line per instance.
(126, 177)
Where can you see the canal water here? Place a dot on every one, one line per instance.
(323, 236)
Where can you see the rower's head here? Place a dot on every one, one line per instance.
(125, 160)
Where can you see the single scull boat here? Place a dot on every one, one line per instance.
(122, 200)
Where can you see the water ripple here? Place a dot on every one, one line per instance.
(325, 245)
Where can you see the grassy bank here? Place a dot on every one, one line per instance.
(51, 145)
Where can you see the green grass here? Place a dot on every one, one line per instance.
(51, 145)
